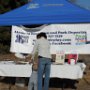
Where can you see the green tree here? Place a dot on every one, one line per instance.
(7, 5)
(5, 39)
(5, 32)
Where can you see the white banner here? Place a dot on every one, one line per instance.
(67, 37)
(21, 41)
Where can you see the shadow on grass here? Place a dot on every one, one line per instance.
(8, 80)
(62, 83)
(54, 82)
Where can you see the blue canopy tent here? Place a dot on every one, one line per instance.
(46, 12)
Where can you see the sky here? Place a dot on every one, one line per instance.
(83, 3)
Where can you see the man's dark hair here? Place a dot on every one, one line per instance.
(42, 34)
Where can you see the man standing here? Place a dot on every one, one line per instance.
(42, 46)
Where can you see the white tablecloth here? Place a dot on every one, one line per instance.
(68, 71)
(59, 71)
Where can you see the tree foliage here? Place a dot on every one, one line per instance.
(5, 32)
(7, 5)
(5, 39)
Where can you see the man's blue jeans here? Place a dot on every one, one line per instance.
(44, 69)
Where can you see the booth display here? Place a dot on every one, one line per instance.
(60, 57)
(60, 71)
(72, 58)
